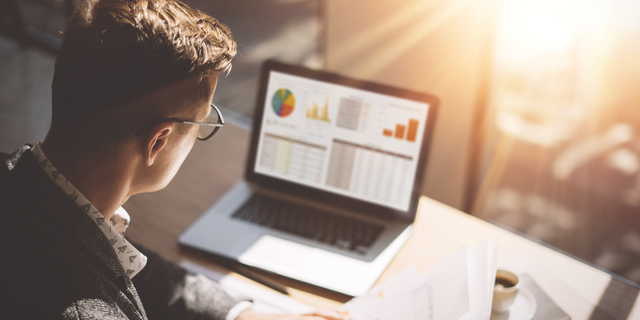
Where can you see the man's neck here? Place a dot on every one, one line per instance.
(103, 179)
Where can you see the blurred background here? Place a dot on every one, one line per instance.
(539, 126)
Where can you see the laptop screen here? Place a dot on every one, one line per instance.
(347, 141)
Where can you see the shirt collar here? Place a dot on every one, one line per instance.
(131, 259)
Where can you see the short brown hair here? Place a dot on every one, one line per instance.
(115, 51)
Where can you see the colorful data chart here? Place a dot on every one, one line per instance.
(400, 131)
(317, 113)
(283, 102)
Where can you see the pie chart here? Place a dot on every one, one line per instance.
(283, 102)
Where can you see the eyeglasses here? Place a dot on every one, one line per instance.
(214, 122)
(207, 129)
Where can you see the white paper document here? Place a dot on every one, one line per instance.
(264, 300)
(482, 262)
(459, 287)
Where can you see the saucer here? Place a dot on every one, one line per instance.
(523, 308)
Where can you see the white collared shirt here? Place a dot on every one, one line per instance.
(131, 259)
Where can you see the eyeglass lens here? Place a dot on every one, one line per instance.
(206, 131)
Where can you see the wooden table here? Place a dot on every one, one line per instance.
(216, 165)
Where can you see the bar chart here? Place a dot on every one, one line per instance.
(411, 130)
(317, 113)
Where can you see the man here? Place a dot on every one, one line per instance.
(131, 94)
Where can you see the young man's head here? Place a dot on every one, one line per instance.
(124, 68)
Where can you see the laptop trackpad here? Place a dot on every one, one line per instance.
(317, 266)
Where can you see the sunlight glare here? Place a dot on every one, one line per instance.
(546, 70)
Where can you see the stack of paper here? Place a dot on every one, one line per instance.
(460, 287)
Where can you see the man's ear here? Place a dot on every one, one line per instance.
(155, 141)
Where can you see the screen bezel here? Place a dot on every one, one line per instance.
(322, 196)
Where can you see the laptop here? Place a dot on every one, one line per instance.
(332, 182)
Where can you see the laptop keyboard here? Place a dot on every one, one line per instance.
(323, 226)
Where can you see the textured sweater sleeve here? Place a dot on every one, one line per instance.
(168, 291)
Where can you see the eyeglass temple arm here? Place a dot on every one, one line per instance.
(219, 125)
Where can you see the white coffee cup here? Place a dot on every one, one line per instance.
(505, 291)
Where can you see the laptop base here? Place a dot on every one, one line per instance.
(289, 255)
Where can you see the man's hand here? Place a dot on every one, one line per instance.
(317, 315)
